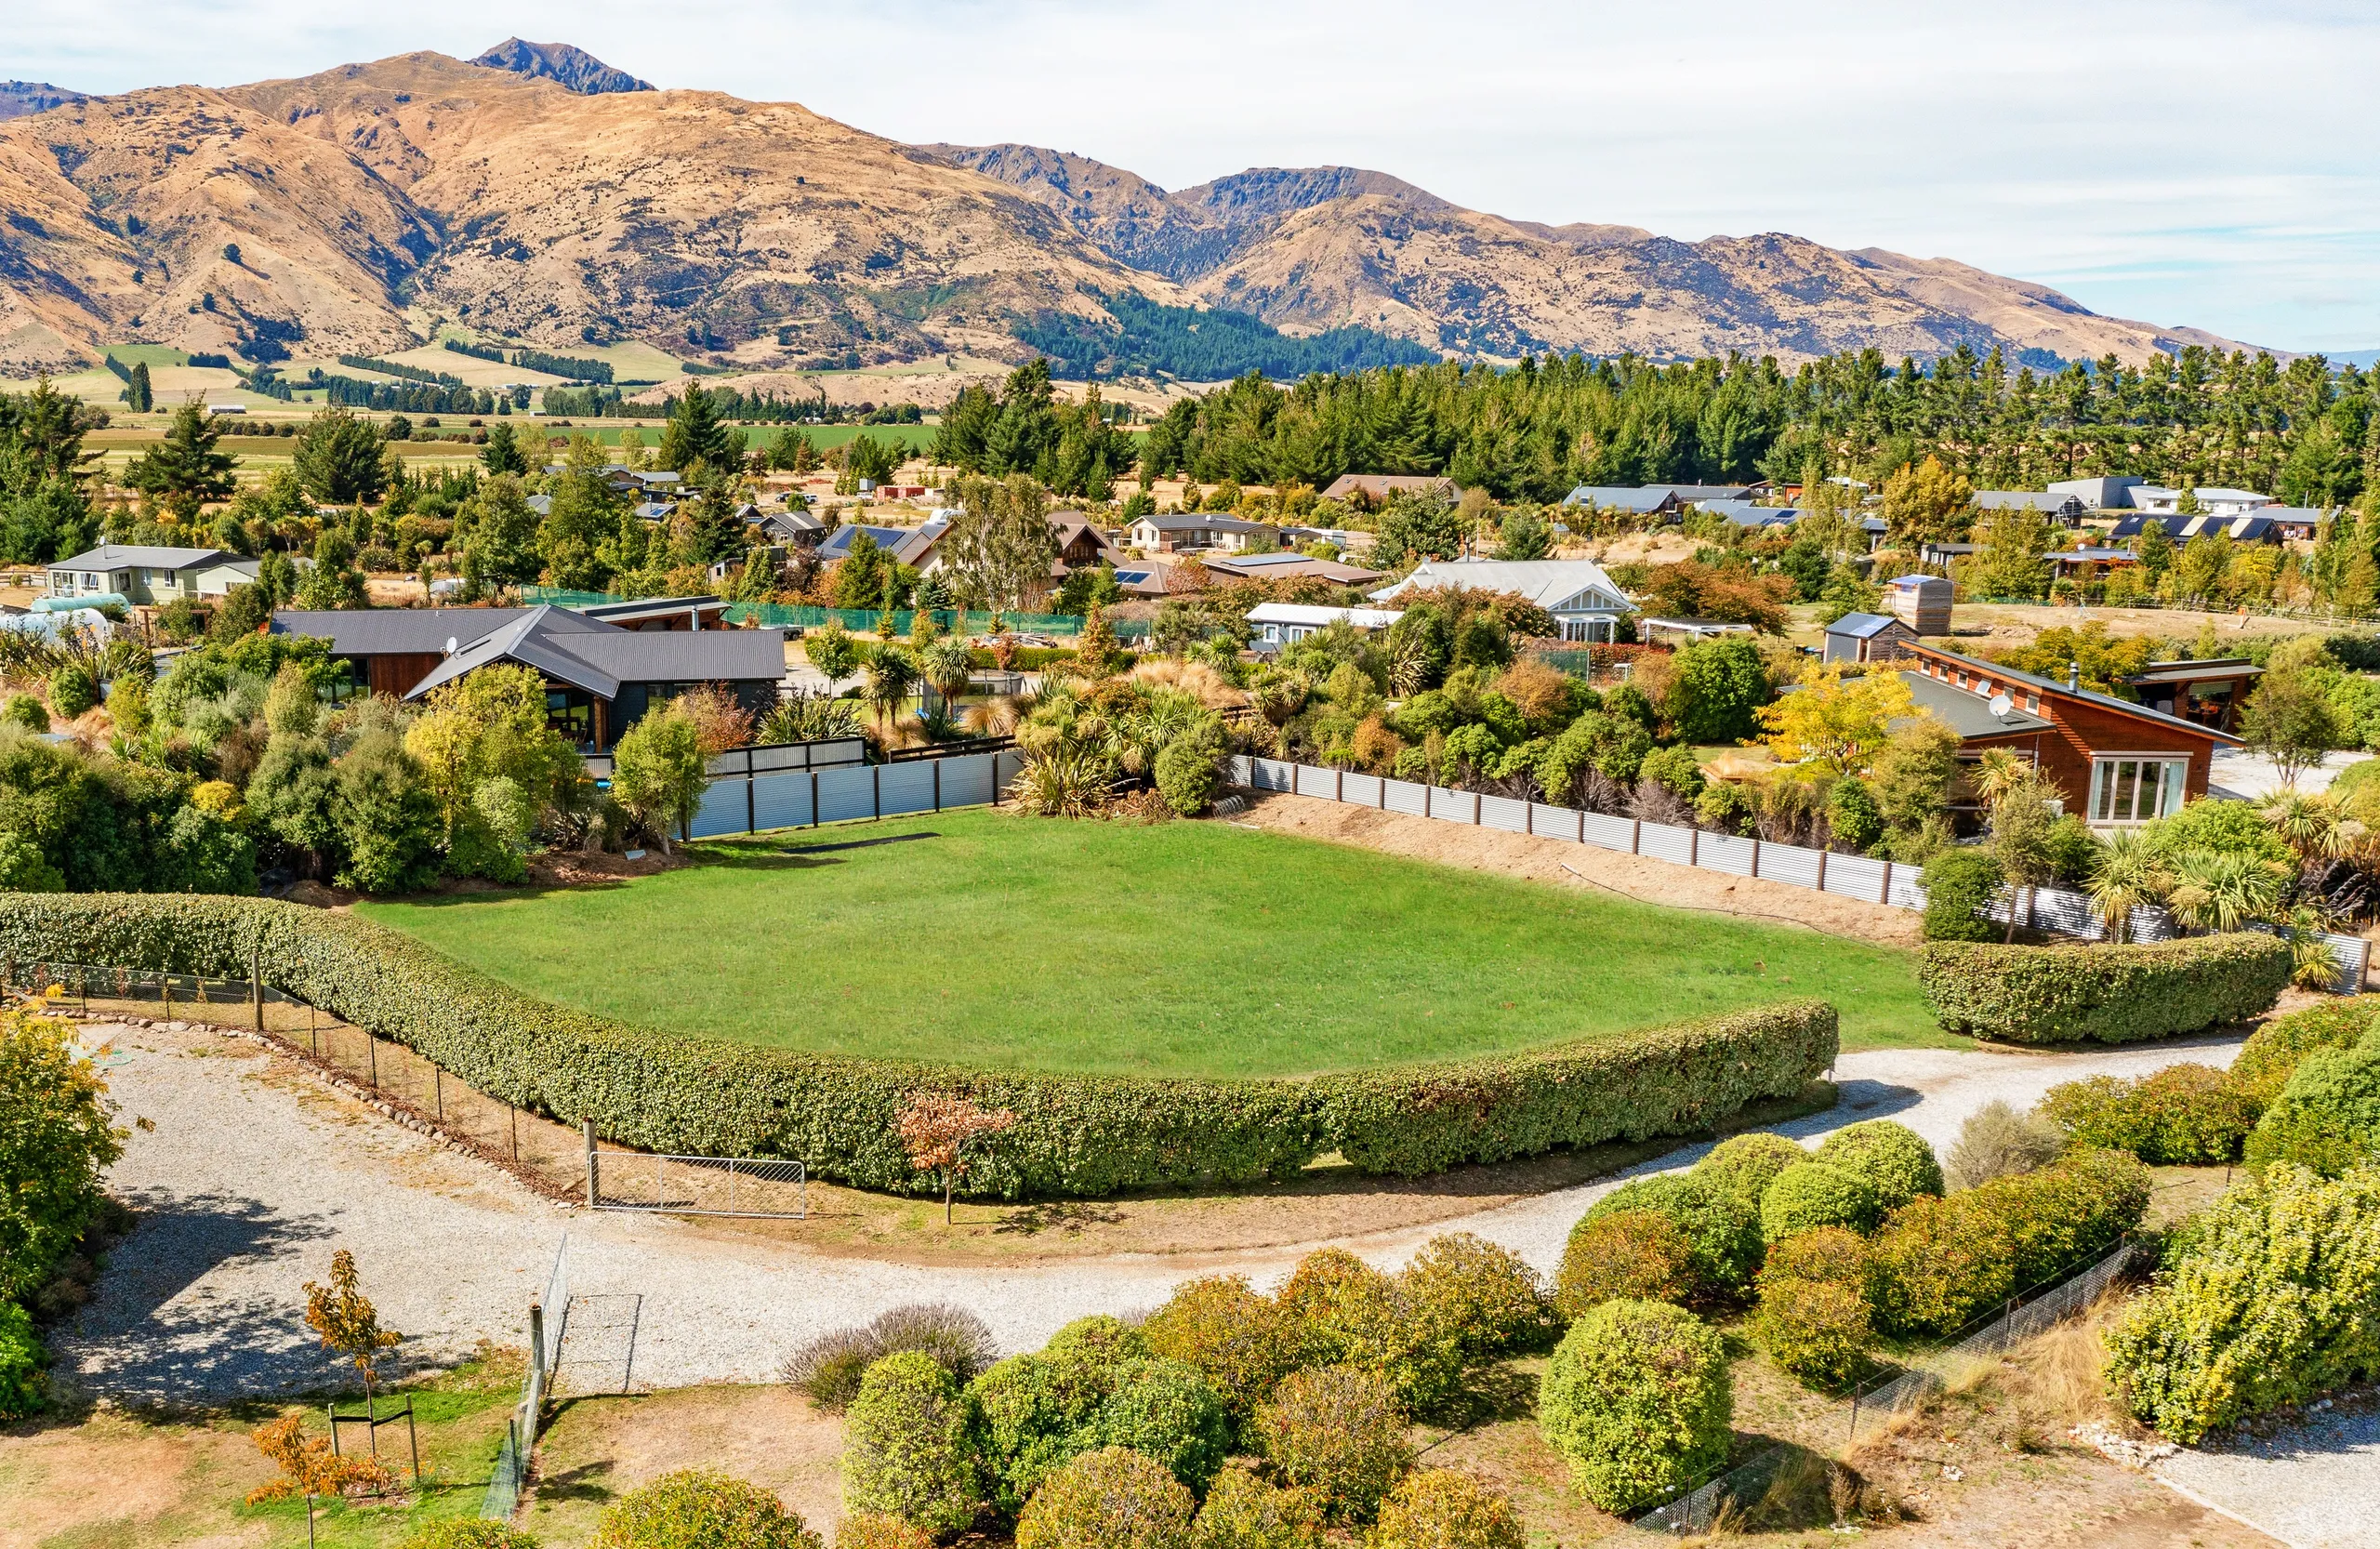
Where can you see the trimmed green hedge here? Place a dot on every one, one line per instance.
(2113, 994)
(1083, 1135)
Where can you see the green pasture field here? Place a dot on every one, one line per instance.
(990, 938)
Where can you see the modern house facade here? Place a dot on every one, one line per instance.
(602, 673)
(2118, 764)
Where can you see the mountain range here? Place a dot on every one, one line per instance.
(538, 194)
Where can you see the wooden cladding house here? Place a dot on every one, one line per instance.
(2115, 763)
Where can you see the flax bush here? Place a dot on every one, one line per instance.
(1998, 1141)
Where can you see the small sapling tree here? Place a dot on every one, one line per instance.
(935, 1128)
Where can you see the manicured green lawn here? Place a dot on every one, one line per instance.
(1184, 947)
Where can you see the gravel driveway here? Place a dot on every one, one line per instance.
(253, 1175)
(2313, 1486)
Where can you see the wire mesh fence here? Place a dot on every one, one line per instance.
(752, 1186)
(1699, 1508)
(548, 1323)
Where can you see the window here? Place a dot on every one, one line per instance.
(2136, 789)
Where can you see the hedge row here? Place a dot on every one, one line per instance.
(2112, 994)
(1084, 1135)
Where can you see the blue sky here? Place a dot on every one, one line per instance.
(2210, 164)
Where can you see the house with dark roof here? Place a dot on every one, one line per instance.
(1743, 513)
(604, 666)
(2258, 528)
(2294, 524)
(909, 546)
(2109, 492)
(796, 528)
(1081, 543)
(2209, 692)
(1634, 499)
(1288, 562)
(2065, 508)
(2117, 764)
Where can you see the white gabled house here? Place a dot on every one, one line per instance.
(1586, 603)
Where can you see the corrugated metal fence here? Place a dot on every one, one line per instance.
(1875, 881)
(739, 803)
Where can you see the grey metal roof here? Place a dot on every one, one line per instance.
(139, 556)
(599, 657)
(1216, 523)
(2190, 671)
(393, 631)
(1967, 714)
(1634, 499)
(1860, 626)
(1743, 513)
(1999, 673)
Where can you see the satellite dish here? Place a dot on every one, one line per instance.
(450, 645)
(2001, 706)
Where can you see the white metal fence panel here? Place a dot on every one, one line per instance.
(847, 794)
(1239, 768)
(1904, 891)
(1856, 876)
(1273, 774)
(1405, 796)
(1665, 843)
(1726, 853)
(1311, 780)
(903, 787)
(781, 800)
(1502, 812)
(1791, 863)
(723, 811)
(1363, 790)
(1608, 832)
(1555, 822)
(1454, 807)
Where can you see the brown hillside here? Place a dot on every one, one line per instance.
(372, 202)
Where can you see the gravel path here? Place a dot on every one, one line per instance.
(253, 1176)
(2314, 1486)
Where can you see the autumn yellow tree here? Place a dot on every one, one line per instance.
(935, 1128)
(1925, 502)
(1833, 720)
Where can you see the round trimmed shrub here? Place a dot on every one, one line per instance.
(1167, 1412)
(1486, 1298)
(25, 710)
(1245, 1512)
(2269, 1301)
(1637, 1254)
(1938, 1263)
(2182, 1115)
(1637, 1397)
(470, 1533)
(1723, 1230)
(2264, 1063)
(1185, 776)
(1745, 1165)
(1085, 1358)
(1241, 1342)
(73, 688)
(1960, 885)
(696, 1508)
(2060, 1217)
(1353, 1315)
(1813, 1319)
(1893, 1158)
(1817, 1194)
(1111, 1499)
(1340, 1432)
(1437, 1508)
(876, 1531)
(2328, 1116)
(907, 1447)
(1817, 1330)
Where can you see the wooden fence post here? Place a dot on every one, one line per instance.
(1822, 855)
(1886, 894)
(587, 1131)
(1756, 856)
(1694, 846)
(1637, 837)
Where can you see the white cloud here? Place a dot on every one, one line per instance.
(2206, 163)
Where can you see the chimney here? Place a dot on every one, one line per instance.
(2073, 675)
